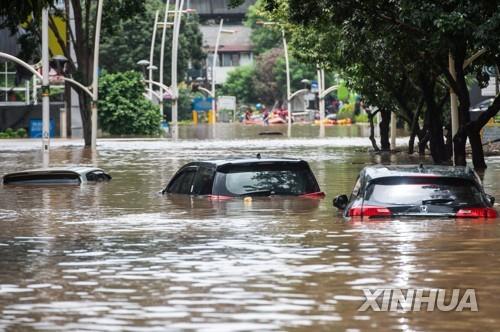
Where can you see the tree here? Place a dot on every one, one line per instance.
(263, 38)
(240, 83)
(123, 108)
(130, 41)
(119, 16)
(415, 36)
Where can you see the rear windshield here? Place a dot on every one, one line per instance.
(44, 178)
(277, 179)
(416, 190)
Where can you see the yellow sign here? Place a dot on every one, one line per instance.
(54, 45)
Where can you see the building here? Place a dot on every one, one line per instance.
(235, 49)
(216, 9)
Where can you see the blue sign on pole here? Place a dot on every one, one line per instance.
(36, 128)
(201, 104)
(314, 86)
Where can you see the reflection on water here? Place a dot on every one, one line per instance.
(119, 256)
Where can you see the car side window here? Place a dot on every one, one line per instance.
(97, 176)
(357, 188)
(203, 181)
(182, 183)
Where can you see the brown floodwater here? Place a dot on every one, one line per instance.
(118, 256)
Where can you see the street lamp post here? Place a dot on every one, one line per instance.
(214, 65)
(151, 53)
(322, 93)
(95, 81)
(45, 88)
(287, 67)
(321, 87)
(162, 53)
(179, 4)
(288, 87)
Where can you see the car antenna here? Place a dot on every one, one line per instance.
(258, 155)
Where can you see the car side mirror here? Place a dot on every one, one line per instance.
(491, 199)
(340, 202)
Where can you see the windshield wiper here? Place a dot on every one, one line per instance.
(258, 193)
(437, 201)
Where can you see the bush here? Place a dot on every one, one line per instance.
(347, 111)
(21, 133)
(123, 109)
(9, 131)
(361, 118)
(4, 135)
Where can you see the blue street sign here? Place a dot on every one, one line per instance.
(202, 104)
(36, 128)
(314, 86)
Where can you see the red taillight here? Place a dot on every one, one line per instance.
(476, 212)
(318, 194)
(218, 197)
(369, 211)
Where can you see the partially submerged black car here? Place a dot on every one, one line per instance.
(252, 177)
(417, 191)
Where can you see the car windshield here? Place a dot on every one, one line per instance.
(266, 180)
(423, 190)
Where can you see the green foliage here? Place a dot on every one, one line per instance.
(21, 133)
(361, 118)
(11, 133)
(347, 111)
(129, 41)
(123, 109)
(240, 83)
(264, 37)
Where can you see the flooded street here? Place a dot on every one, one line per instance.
(118, 256)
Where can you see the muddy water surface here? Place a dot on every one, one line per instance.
(121, 257)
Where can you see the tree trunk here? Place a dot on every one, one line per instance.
(477, 150)
(384, 129)
(86, 117)
(433, 121)
(415, 128)
(422, 142)
(372, 129)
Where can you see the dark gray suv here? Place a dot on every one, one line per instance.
(417, 191)
(245, 177)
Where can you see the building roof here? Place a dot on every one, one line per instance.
(219, 8)
(239, 41)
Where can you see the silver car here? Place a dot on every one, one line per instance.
(75, 175)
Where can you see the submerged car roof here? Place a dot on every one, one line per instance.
(73, 169)
(382, 171)
(241, 161)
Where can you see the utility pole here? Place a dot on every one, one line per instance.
(95, 81)
(45, 88)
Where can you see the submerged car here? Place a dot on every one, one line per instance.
(56, 176)
(417, 191)
(245, 178)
